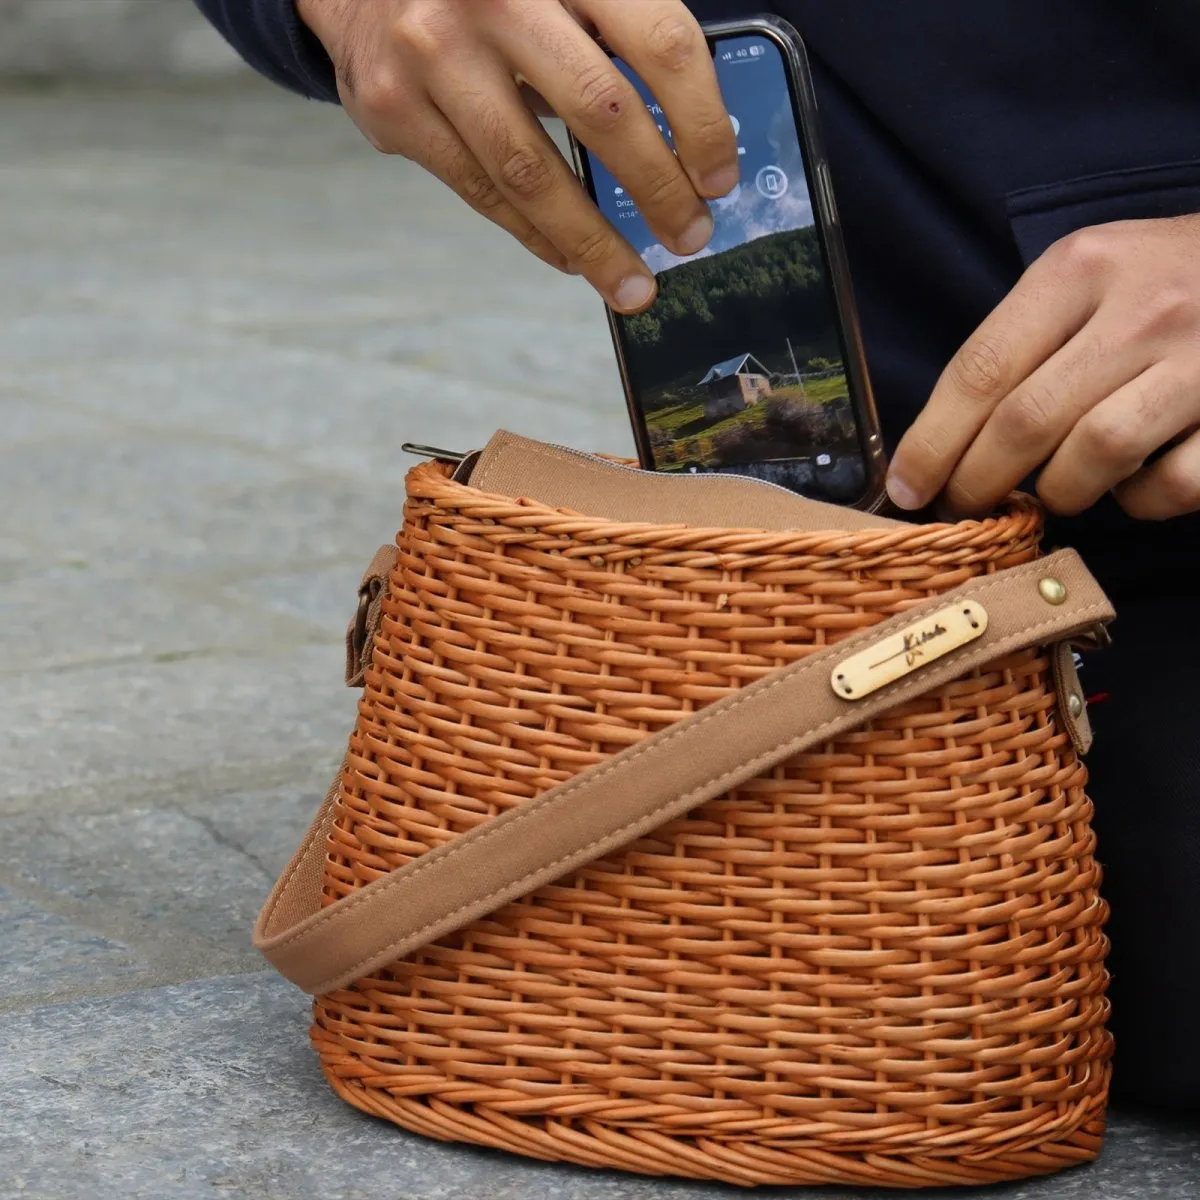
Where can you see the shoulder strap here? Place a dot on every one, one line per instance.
(667, 773)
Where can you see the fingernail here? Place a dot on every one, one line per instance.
(695, 237)
(903, 496)
(634, 292)
(720, 182)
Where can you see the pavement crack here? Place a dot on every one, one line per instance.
(232, 650)
(219, 836)
(62, 1083)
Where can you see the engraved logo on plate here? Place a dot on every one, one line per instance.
(913, 646)
(900, 653)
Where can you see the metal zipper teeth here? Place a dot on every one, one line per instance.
(680, 477)
(674, 477)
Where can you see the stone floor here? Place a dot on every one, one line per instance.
(220, 315)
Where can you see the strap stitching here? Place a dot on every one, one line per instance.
(765, 757)
(895, 691)
(716, 711)
(482, 481)
(317, 829)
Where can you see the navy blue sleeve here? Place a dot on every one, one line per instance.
(270, 36)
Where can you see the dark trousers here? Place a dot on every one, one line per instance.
(1145, 769)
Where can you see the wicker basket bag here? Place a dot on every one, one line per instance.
(753, 848)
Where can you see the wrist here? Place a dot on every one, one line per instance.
(309, 14)
(305, 21)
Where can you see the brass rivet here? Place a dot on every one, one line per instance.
(1075, 705)
(1053, 591)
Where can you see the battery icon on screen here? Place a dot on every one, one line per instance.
(755, 51)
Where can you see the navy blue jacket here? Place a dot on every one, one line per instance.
(992, 128)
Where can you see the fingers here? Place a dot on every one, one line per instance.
(431, 85)
(1091, 365)
(481, 100)
(1168, 488)
(399, 118)
(664, 44)
(1037, 318)
(437, 146)
(472, 114)
(605, 112)
(1030, 423)
(1112, 440)
(449, 83)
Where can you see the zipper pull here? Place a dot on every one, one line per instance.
(448, 456)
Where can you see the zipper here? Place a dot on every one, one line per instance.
(698, 476)
(674, 476)
(459, 458)
(435, 452)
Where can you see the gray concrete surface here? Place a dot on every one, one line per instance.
(59, 38)
(220, 314)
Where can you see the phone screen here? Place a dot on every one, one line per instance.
(739, 365)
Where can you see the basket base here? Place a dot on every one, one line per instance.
(744, 1163)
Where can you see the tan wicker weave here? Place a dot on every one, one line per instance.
(880, 965)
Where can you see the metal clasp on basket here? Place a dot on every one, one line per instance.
(450, 456)
(358, 639)
(361, 630)
(463, 462)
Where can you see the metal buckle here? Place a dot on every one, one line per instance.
(366, 597)
(1096, 638)
(434, 452)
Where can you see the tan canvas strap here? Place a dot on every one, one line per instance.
(660, 778)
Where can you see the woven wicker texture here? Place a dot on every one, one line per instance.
(881, 964)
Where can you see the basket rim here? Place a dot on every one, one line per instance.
(1015, 518)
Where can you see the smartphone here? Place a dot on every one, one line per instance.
(750, 360)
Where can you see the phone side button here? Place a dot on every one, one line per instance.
(825, 186)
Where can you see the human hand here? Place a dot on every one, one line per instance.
(440, 82)
(1089, 365)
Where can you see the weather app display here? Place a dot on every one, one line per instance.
(738, 364)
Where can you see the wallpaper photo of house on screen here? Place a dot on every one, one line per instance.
(738, 365)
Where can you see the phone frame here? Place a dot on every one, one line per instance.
(828, 225)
